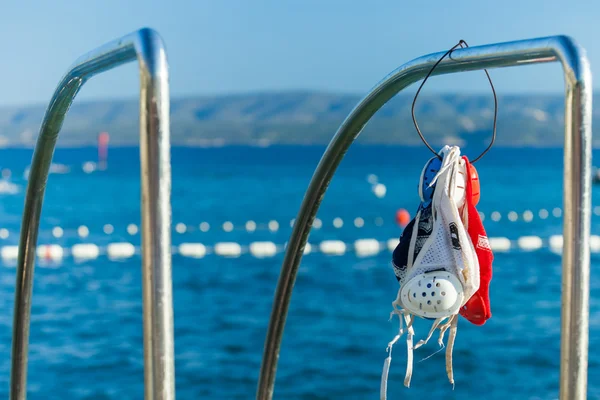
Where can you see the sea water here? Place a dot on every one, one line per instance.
(86, 331)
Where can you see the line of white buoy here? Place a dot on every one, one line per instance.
(360, 247)
(274, 225)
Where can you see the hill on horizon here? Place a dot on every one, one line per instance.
(305, 118)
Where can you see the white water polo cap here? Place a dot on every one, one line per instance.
(440, 271)
(433, 294)
(435, 262)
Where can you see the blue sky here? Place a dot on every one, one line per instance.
(233, 46)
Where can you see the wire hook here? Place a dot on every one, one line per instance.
(462, 44)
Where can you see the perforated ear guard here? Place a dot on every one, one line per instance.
(432, 294)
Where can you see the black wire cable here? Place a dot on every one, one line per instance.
(461, 43)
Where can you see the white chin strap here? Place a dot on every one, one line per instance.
(435, 294)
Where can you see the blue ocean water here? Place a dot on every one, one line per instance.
(86, 332)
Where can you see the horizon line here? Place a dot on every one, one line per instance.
(258, 92)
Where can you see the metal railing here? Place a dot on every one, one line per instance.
(577, 191)
(147, 47)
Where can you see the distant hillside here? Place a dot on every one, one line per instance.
(304, 118)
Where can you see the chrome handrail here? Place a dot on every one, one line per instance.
(576, 192)
(147, 47)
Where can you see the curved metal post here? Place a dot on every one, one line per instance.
(577, 192)
(147, 47)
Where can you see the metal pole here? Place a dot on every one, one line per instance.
(147, 47)
(577, 191)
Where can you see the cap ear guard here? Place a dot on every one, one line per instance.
(427, 175)
(435, 294)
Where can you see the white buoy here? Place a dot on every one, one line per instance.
(557, 212)
(392, 244)
(120, 250)
(527, 216)
(180, 228)
(273, 226)
(108, 229)
(50, 251)
(57, 232)
(228, 249)
(530, 243)
(193, 250)
(89, 167)
(338, 222)
(10, 252)
(332, 247)
(496, 216)
(372, 179)
(359, 222)
(250, 226)
(380, 190)
(556, 243)
(307, 248)
(317, 223)
(132, 229)
(543, 213)
(83, 231)
(499, 243)
(595, 244)
(263, 249)
(204, 227)
(85, 251)
(513, 216)
(366, 247)
(227, 226)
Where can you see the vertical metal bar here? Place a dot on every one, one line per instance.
(145, 45)
(38, 176)
(575, 309)
(576, 225)
(156, 218)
